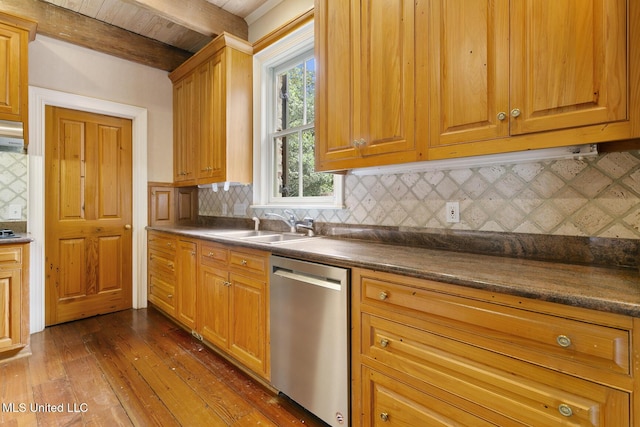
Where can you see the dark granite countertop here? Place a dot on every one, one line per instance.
(19, 238)
(609, 289)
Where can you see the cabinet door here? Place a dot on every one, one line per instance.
(213, 305)
(365, 83)
(185, 113)
(11, 84)
(10, 309)
(211, 140)
(568, 63)
(186, 283)
(248, 332)
(469, 46)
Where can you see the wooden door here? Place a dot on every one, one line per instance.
(211, 136)
(469, 46)
(568, 63)
(88, 238)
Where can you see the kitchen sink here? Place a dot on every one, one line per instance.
(240, 234)
(260, 236)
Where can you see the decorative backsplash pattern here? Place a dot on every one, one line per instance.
(13, 184)
(597, 197)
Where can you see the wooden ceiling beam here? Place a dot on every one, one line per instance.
(197, 15)
(72, 27)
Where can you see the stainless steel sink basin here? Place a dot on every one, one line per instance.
(276, 238)
(260, 236)
(240, 234)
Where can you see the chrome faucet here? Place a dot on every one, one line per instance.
(291, 221)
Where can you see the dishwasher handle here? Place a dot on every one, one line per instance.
(312, 280)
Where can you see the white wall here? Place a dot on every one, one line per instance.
(283, 12)
(61, 66)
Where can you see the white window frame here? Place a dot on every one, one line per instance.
(280, 52)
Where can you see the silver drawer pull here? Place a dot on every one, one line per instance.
(384, 417)
(384, 342)
(383, 296)
(565, 410)
(169, 295)
(563, 341)
(210, 254)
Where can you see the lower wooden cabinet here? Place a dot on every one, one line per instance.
(233, 303)
(14, 300)
(220, 294)
(429, 353)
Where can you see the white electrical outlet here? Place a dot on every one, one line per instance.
(14, 212)
(453, 212)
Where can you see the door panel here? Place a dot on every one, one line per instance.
(569, 66)
(88, 239)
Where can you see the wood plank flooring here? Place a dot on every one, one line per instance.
(133, 367)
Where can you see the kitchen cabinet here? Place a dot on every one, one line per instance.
(427, 353)
(15, 34)
(213, 114)
(186, 278)
(14, 300)
(518, 75)
(233, 303)
(169, 205)
(161, 265)
(369, 93)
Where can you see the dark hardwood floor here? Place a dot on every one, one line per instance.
(134, 367)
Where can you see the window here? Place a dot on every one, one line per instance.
(284, 174)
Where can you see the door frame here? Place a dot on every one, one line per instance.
(39, 98)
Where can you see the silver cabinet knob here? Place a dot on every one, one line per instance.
(384, 417)
(243, 262)
(127, 226)
(384, 343)
(563, 341)
(502, 115)
(383, 296)
(515, 112)
(565, 410)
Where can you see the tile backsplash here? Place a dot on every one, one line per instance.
(598, 197)
(13, 184)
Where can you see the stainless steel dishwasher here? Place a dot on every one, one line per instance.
(309, 309)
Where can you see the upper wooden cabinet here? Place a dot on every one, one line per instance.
(367, 90)
(15, 33)
(212, 102)
(515, 75)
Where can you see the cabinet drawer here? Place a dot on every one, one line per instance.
(545, 339)
(392, 403)
(162, 242)
(212, 254)
(10, 255)
(161, 262)
(251, 263)
(515, 389)
(162, 293)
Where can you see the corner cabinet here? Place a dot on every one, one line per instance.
(431, 353)
(518, 75)
(14, 300)
(212, 110)
(368, 86)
